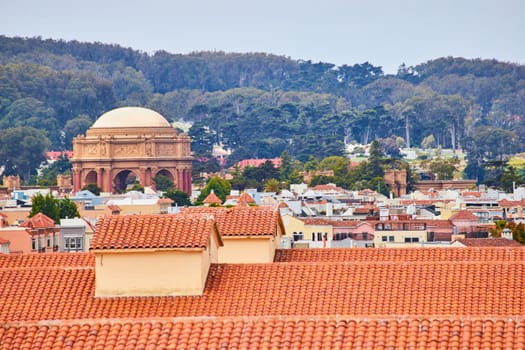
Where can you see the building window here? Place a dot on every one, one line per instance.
(297, 236)
(411, 239)
(33, 243)
(384, 238)
(390, 238)
(73, 244)
(48, 241)
(319, 236)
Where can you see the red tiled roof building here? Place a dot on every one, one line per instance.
(406, 298)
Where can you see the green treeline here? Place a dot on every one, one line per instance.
(259, 105)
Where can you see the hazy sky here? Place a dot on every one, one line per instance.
(384, 32)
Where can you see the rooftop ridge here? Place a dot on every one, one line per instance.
(226, 319)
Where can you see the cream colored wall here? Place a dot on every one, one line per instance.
(309, 229)
(399, 238)
(247, 250)
(291, 225)
(140, 209)
(151, 272)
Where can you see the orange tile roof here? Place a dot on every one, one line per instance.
(113, 207)
(273, 333)
(49, 261)
(153, 231)
(401, 255)
(4, 241)
(245, 197)
(212, 199)
(242, 221)
(461, 288)
(165, 201)
(464, 215)
(327, 187)
(38, 221)
(489, 242)
(505, 203)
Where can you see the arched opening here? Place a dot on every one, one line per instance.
(124, 180)
(91, 178)
(164, 180)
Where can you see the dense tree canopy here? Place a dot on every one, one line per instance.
(261, 105)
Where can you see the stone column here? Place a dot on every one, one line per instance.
(180, 180)
(187, 181)
(100, 173)
(108, 185)
(77, 179)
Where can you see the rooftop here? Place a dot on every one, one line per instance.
(455, 283)
(153, 231)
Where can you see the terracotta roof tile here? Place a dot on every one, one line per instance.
(242, 221)
(505, 203)
(327, 187)
(489, 242)
(282, 333)
(401, 255)
(152, 231)
(4, 241)
(462, 288)
(38, 221)
(245, 197)
(464, 215)
(212, 199)
(49, 261)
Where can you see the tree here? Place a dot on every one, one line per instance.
(510, 179)
(179, 198)
(220, 187)
(68, 208)
(162, 182)
(444, 168)
(23, 148)
(272, 185)
(49, 174)
(46, 205)
(335, 163)
(93, 188)
(54, 208)
(74, 127)
(428, 142)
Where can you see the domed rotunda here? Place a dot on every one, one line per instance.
(129, 144)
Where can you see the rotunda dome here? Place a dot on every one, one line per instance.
(131, 117)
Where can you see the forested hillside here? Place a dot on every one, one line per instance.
(259, 105)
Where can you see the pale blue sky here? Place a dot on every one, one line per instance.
(384, 32)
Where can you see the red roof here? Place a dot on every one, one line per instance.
(489, 242)
(242, 221)
(355, 289)
(212, 199)
(40, 220)
(464, 215)
(504, 203)
(153, 231)
(52, 261)
(327, 187)
(54, 155)
(257, 162)
(4, 241)
(246, 198)
(400, 255)
(271, 333)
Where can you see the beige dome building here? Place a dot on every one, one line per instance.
(128, 144)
